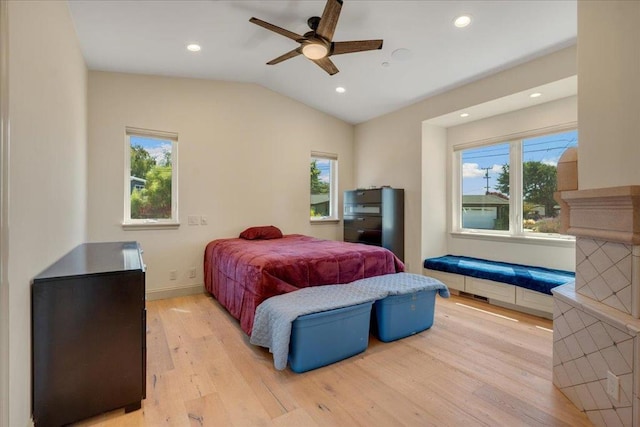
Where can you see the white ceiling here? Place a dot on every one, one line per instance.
(150, 37)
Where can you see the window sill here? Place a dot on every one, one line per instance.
(325, 221)
(561, 242)
(150, 225)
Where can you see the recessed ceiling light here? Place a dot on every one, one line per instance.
(340, 89)
(194, 47)
(464, 115)
(462, 21)
(535, 95)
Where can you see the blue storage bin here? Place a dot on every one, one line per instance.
(399, 316)
(319, 339)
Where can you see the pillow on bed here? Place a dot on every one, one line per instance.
(265, 232)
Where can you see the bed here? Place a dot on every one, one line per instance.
(241, 273)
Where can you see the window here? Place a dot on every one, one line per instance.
(507, 187)
(324, 179)
(151, 178)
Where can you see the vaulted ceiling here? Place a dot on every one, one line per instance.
(423, 53)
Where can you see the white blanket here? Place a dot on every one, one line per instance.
(274, 317)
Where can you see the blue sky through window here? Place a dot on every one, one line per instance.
(476, 162)
(325, 169)
(155, 147)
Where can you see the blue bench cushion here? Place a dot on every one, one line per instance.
(538, 279)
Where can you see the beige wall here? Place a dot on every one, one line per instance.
(244, 155)
(47, 176)
(4, 193)
(609, 88)
(391, 149)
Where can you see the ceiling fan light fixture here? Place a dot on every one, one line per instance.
(315, 50)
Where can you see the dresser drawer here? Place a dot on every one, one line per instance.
(360, 235)
(363, 196)
(363, 222)
(363, 209)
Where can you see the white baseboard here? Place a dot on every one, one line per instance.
(172, 292)
(523, 309)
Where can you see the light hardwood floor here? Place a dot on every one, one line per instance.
(472, 368)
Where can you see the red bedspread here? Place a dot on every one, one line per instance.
(243, 273)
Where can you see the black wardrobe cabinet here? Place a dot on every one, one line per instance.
(375, 217)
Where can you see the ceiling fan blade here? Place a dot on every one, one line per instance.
(329, 19)
(339, 48)
(327, 65)
(276, 29)
(288, 55)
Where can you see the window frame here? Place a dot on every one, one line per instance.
(516, 230)
(148, 223)
(334, 212)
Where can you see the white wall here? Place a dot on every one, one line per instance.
(542, 118)
(47, 176)
(243, 156)
(609, 88)
(434, 192)
(390, 149)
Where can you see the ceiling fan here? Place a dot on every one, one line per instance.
(317, 44)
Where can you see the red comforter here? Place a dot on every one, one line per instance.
(243, 273)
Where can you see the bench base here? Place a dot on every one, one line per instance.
(497, 293)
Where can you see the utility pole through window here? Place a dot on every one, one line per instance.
(486, 176)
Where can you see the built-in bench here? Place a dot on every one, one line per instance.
(523, 287)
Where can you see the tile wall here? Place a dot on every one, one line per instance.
(596, 331)
(587, 346)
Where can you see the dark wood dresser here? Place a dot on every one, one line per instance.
(375, 217)
(89, 334)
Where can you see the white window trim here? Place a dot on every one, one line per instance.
(516, 233)
(155, 224)
(333, 202)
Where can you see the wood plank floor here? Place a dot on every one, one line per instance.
(479, 365)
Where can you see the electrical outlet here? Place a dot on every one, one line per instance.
(173, 274)
(192, 272)
(204, 220)
(613, 385)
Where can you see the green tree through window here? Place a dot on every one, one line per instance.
(317, 186)
(151, 167)
(323, 181)
(141, 161)
(538, 184)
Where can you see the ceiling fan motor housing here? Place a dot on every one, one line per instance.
(313, 22)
